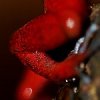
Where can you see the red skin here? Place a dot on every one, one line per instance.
(30, 44)
(57, 6)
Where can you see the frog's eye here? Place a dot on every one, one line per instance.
(71, 23)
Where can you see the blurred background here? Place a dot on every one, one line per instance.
(14, 14)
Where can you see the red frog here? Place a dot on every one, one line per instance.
(61, 22)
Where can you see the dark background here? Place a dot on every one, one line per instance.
(13, 14)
